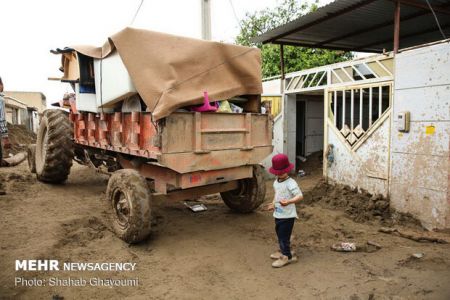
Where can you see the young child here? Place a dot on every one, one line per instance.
(287, 193)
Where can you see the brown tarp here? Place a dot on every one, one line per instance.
(170, 71)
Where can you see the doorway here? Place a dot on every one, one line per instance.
(300, 129)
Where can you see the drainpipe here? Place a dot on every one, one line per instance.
(282, 61)
(396, 26)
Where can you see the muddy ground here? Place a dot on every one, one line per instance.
(215, 254)
(19, 138)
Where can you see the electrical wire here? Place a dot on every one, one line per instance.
(235, 15)
(137, 11)
(435, 17)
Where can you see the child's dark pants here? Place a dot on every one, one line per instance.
(283, 227)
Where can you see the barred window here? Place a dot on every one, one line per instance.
(355, 110)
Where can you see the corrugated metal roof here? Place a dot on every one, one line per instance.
(363, 25)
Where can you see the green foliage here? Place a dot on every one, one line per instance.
(295, 58)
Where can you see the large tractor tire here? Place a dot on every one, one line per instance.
(54, 147)
(129, 197)
(249, 195)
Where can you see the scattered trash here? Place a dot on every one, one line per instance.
(370, 247)
(420, 239)
(224, 106)
(417, 255)
(376, 245)
(14, 160)
(344, 247)
(236, 109)
(301, 158)
(351, 247)
(195, 206)
(301, 173)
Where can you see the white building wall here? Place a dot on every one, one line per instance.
(290, 113)
(420, 158)
(272, 87)
(277, 141)
(365, 168)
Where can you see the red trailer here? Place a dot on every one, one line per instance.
(179, 155)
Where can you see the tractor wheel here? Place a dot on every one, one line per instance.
(249, 195)
(129, 197)
(31, 157)
(54, 147)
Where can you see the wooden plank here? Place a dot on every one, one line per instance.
(198, 132)
(228, 130)
(214, 160)
(248, 128)
(253, 104)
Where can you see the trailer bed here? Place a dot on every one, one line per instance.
(184, 141)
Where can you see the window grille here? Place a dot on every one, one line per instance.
(355, 110)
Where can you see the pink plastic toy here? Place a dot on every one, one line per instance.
(206, 105)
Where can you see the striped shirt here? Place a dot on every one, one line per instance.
(3, 128)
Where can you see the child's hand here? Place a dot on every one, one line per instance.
(285, 202)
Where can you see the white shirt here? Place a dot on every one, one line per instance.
(285, 190)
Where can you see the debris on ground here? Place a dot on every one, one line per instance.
(344, 247)
(19, 137)
(14, 160)
(302, 158)
(195, 206)
(2, 187)
(417, 255)
(376, 245)
(80, 231)
(312, 164)
(369, 247)
(417, 238)
(360, 206)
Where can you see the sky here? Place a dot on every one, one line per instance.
(30, 28)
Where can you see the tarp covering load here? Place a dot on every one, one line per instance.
(170, 72)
